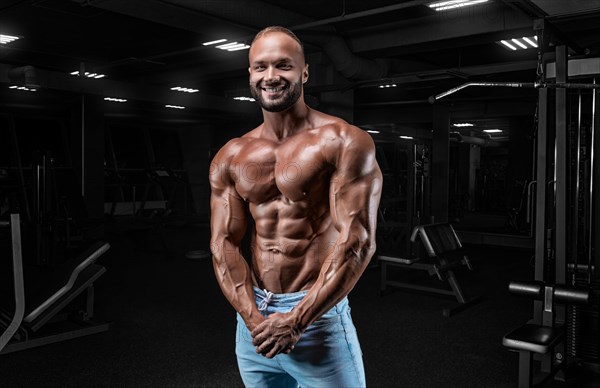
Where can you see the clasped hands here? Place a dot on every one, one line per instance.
(276, 334)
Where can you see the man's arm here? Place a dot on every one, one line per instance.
(228, 224)
(354, 192)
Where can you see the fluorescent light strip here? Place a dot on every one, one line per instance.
(462, 125)
(214, 42)
(405, 137)
(226, 45)
(492, 130)
(186, 90)
(234, 46)
(113, 99)
(243, 47)
(242, 98)
(387, 86)
(15, 87)
(524, 43)
(531, 43)
(518, 43)
(446, 5)
(4, 39)
(175, 106)
(510, 46)
(88, 74)
(372, 131)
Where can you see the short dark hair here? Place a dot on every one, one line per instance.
(281, 29)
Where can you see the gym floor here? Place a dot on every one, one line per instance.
(171, 326)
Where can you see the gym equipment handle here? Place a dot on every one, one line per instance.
(533, 290)
(561, 293)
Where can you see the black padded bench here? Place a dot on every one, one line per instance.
(444, 254)
(543, 338)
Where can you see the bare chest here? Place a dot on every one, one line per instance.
(265, 170)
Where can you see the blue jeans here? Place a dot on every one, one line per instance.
(327, 355)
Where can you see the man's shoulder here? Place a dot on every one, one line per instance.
(340, 129)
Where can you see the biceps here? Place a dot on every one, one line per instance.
(354, 203)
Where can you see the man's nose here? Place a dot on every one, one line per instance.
(272, 75)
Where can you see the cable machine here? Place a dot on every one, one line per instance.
(563, 334)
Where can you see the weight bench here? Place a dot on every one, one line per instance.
(444, 253)
(49, 303)
(543, 338)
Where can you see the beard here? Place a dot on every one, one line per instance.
(290, 95)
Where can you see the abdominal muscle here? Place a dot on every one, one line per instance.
(289, 246)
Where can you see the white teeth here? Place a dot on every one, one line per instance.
(273, 90)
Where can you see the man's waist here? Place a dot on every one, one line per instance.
(269, 302)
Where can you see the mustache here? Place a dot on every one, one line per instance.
(266, 84)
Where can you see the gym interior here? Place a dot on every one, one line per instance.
(484, 114)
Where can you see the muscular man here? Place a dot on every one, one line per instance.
(312, 185)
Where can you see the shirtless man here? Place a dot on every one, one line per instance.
(312, 185)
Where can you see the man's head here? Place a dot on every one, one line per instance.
(277, 68)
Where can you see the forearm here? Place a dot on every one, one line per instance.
(234, 278)
(340, 272)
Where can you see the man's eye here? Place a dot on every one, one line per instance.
(259, 68)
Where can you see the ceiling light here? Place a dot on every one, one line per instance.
(462, 125)
(182, 89)
(4, 39)
(387, 86)
(405, 137)
(113, 99)
(24, 88)
(530, 41)
(175, 106)
(214, 42)
(372, 131)
(242, 98)
(242, 47)
(232, 46)
(523, 43)
(492, 130)
(450, 4)
(506, 44)
(518, 43)
(88, 74)
(227, 45)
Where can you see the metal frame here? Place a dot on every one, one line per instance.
(435, 264)
(18, 284)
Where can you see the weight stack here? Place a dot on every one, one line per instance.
(583, 327)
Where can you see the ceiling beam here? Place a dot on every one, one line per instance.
(461, 26)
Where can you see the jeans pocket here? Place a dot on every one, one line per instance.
(241, 332)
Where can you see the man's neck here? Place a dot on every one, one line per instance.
(281, 125)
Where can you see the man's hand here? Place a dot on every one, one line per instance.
(276, 334)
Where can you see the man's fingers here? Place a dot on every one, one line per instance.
(276, 349)
(258, 329)
(259, 339)
(265, 346)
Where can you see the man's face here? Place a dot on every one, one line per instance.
(277, 71)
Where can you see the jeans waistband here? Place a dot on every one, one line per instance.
(266, 299)
(288, 299)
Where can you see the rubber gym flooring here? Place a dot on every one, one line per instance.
(171, 326)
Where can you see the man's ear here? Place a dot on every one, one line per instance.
(305, 74)
(248, 69)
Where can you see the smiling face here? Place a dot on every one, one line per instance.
(277, 71)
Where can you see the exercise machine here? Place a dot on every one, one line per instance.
(542, 338)
(444, 254)
(45, 306)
